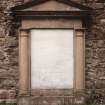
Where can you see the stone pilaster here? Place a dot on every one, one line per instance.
(23, 62)
(79, 60)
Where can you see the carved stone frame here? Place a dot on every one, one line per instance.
(24, 51)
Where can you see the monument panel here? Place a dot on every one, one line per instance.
(52, 61)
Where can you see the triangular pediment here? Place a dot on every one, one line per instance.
(51, 5)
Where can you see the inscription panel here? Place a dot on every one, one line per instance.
(52, 59)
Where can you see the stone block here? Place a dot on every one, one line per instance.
(24, 101)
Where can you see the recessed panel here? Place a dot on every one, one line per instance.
(52, 59)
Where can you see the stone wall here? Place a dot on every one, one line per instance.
(95, 55)
(95, 60)
(8, 53)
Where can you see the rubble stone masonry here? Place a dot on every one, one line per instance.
(8, 53)
(94, 51)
